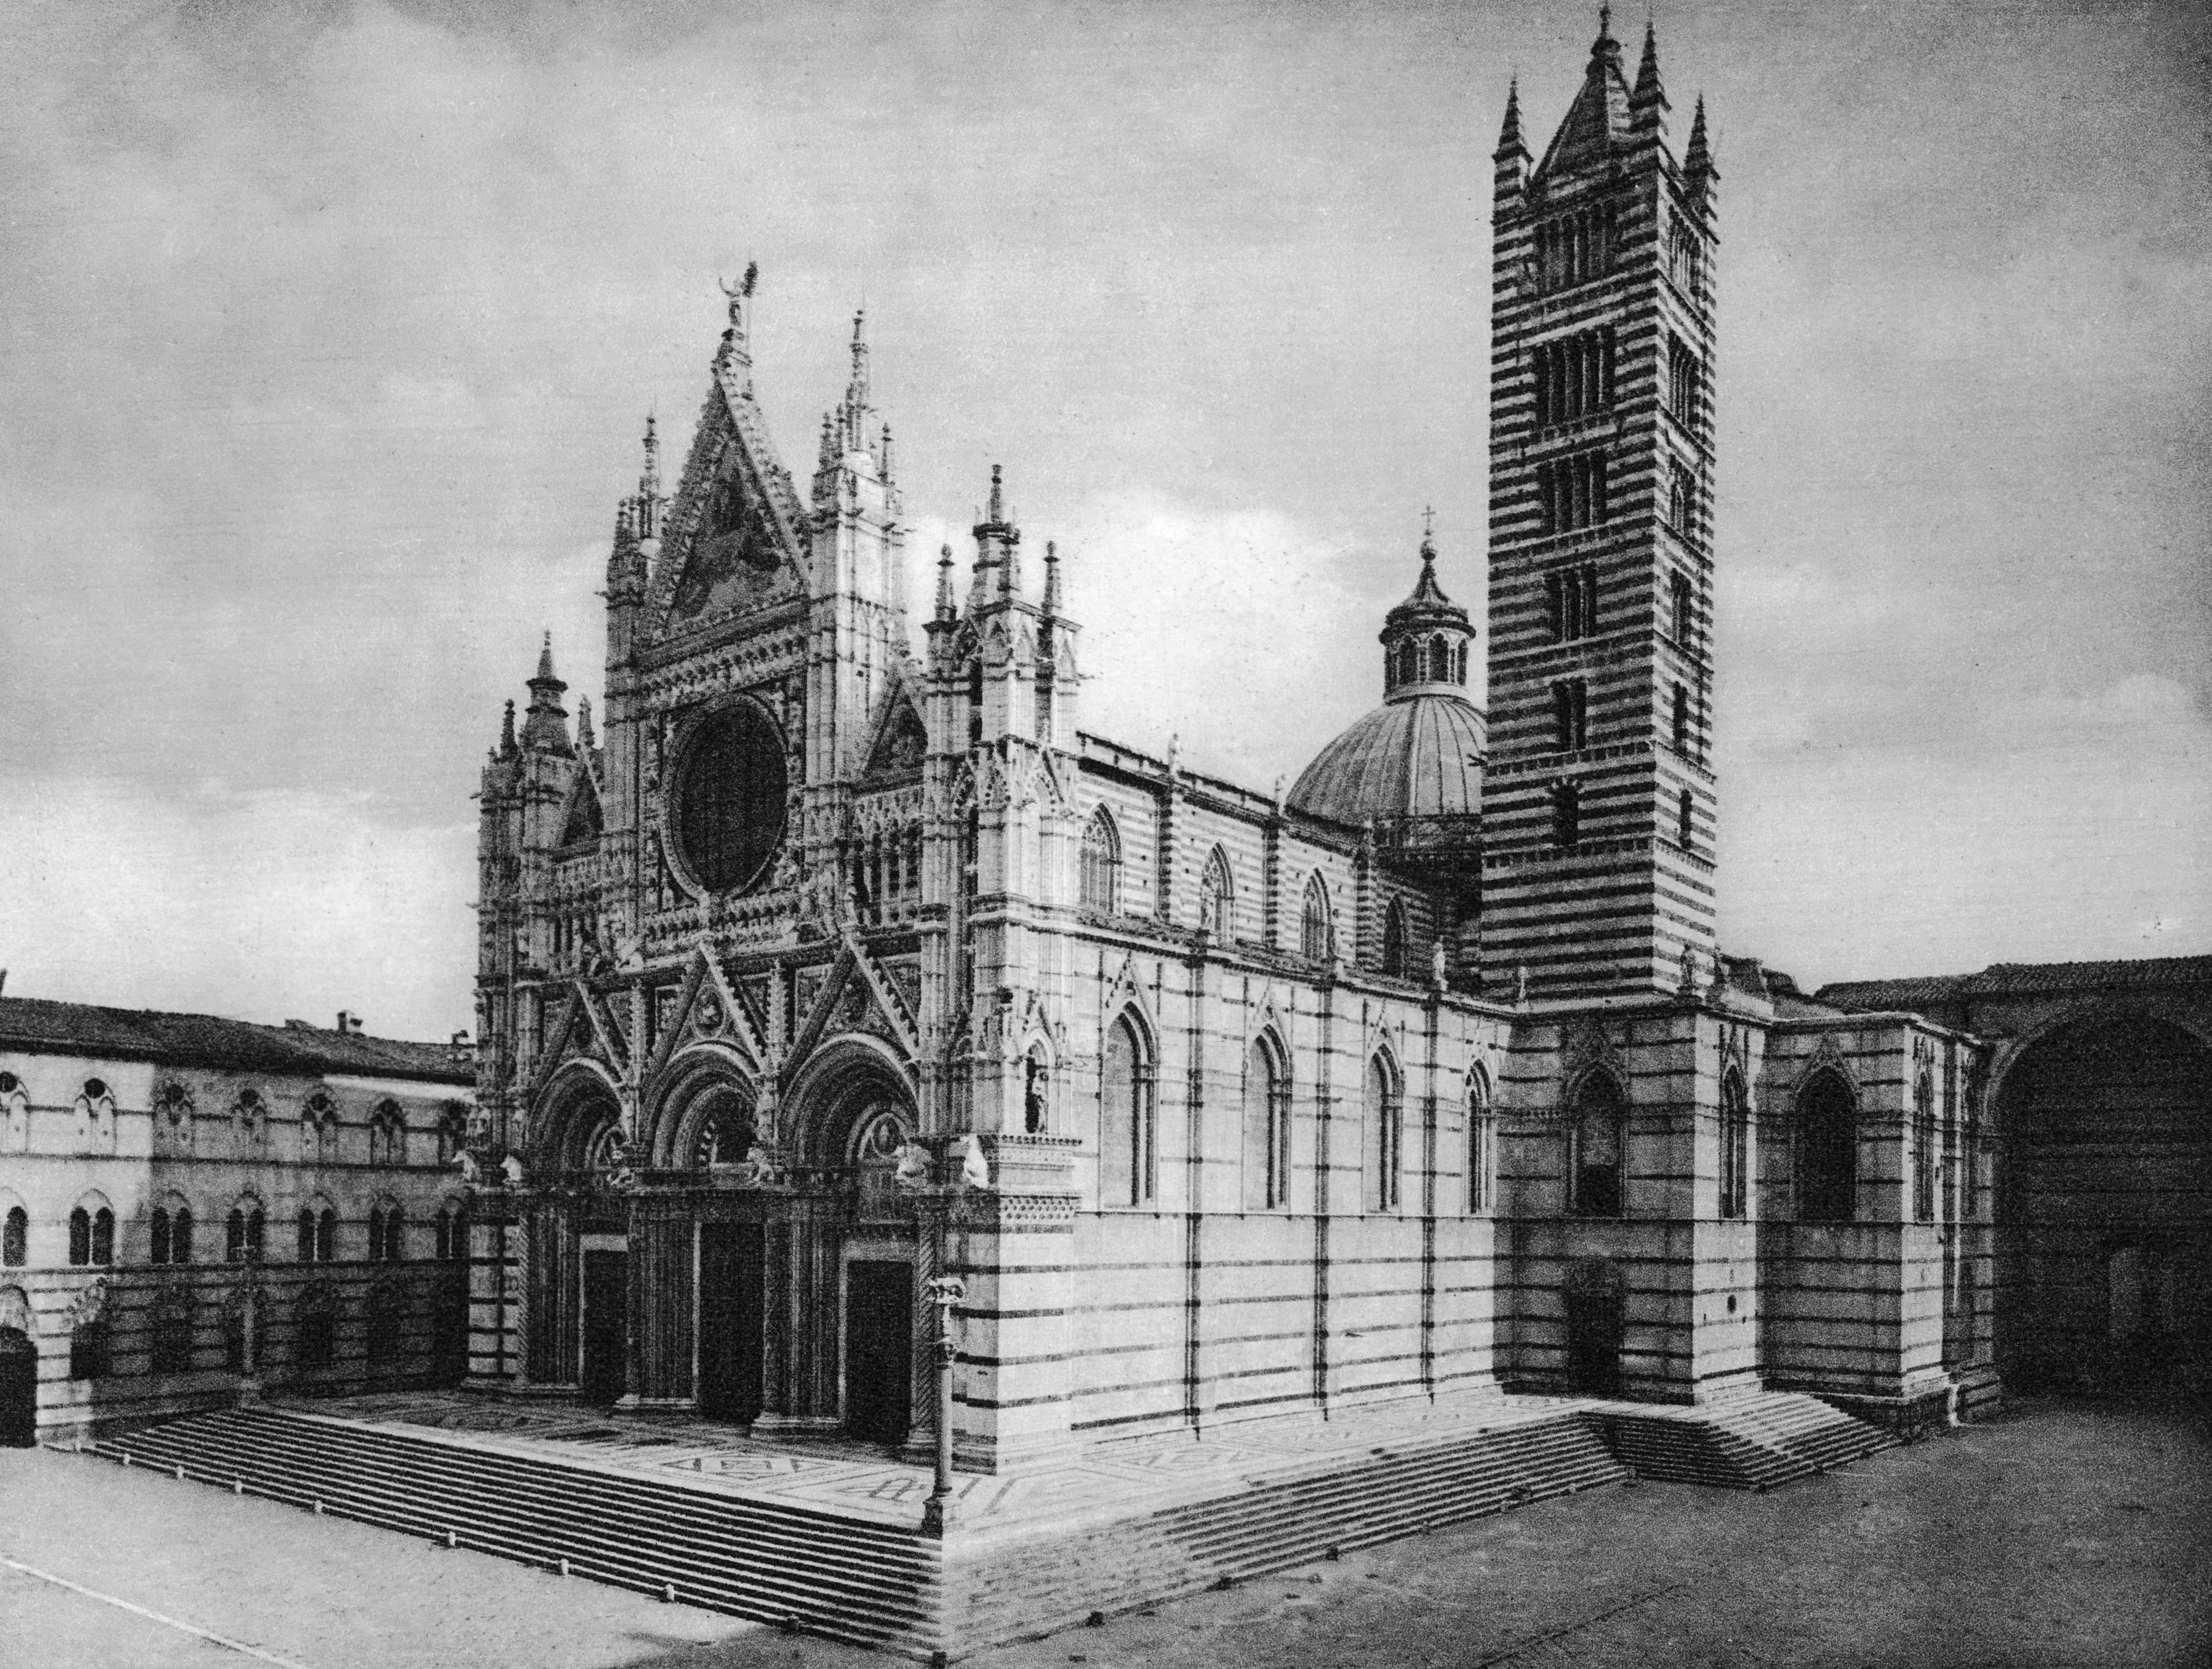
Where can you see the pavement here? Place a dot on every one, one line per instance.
(2070, 1533)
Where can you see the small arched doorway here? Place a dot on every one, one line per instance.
(853, 1111)
(18, 1389)
(1593, 1295)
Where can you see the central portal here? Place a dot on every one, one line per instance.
(730, 1320)
(606, 1309)
(878, 1328)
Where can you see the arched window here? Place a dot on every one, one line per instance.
(180, 1235)
(1924, 1148)
(375, 1233)
(1385, 1136)
(1685, 820)
(1596, 1142)
(1394, 939)
(452, 1131)
(1266, 1129)
(387, 1135)
(243, 1233)
(16, 1239)
(318, 1130)
(1566, 814)
(326, 1236)
(1682, 718)
(306, 1253)
(103, 1236)
(158, 1249)
(1481, 1146)
(395, 1236)
(1440, 659)
(1458, 665)
(1127, 1156)
(1316, 925)
(1409, 661)
(1828, 1150)
(1099, 882)
(1735, 1147)
(1217, 897)
(453, 1236)
(79, 1237)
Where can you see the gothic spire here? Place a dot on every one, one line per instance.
(585, 740)
(1647, 105)
(506, 732)
(546, 727)
(1510, 141)
(1697, 159)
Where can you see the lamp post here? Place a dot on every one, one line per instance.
(945, 1291)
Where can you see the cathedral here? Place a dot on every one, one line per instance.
(839, 956)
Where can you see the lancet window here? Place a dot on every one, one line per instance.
(1385, 1136)
(1575, 376)
(1571, 493)
(1099, 882)
(1267, 1128)
(1316, 926)
(1571, 600)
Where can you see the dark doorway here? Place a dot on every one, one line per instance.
(878, 1335)
(1594, 1329)
(19, 1390)
(606, 1306)
(729, 1260)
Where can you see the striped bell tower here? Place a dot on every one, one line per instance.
(1599, 796)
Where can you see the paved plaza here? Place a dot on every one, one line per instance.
(2068, 1534)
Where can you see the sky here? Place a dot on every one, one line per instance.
(329, 330)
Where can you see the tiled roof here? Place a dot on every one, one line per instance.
(208, 1040)
(2015, 980)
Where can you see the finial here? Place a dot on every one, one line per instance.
(1051, 577)
(1697, 158)
(998, 500)
(1509, 142)
(944, 582)
(884, 463)
(506, 732)
(1429, 533)
(545, 661)
(584, 737)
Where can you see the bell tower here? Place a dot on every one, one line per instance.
(1600, 801)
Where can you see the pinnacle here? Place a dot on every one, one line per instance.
(545, 674)
(1648, 89)
(1509, 137)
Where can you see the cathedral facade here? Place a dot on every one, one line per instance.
(840, 957)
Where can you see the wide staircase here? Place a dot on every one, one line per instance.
(1752, 1442)
(1012, 1585)
(868, 1584)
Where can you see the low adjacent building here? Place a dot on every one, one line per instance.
(192, 1207)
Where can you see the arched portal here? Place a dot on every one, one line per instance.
(1593, 1306)
(852, 1277)
(578, 1256)
(19, 1377)
(2105, 1204)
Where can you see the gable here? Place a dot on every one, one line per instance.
(585, 820)
(730, 543)
(900, 740)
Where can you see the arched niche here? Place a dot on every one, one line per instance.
(842, 1101)
(706, 1112)
(570, 1119)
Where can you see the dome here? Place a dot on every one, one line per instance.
(1419, 755)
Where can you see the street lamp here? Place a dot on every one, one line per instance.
(945, 1291)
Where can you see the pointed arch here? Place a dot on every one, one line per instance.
(1384, 1121)
(1827, 1131)
(1735, 1145)
(582, 822)
(1481, 1195)
(1394, 939)
(1099, 882)
(1597, 1146)
(1216, 898)
(1267, 1124)
(1128, 1157)
(1316, 921)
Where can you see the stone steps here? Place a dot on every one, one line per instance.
(1286, 1516)
(847, 1579)
(1754, 1442)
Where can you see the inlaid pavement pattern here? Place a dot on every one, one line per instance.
(1107, 1479)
